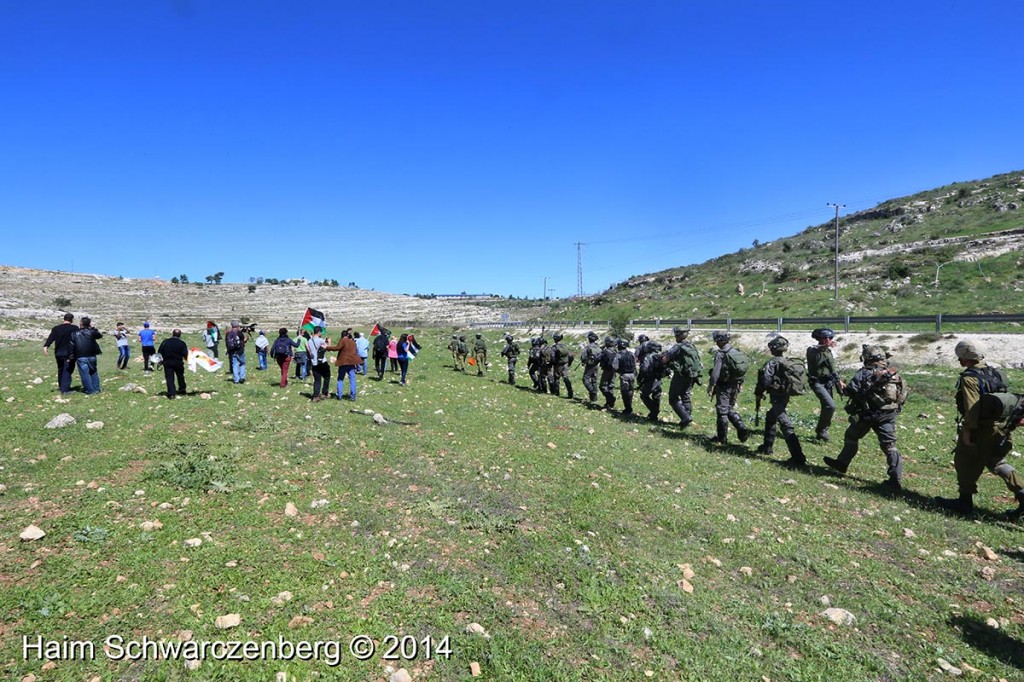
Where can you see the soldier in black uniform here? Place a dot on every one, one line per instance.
(822, 376)
(545, 360)
(771, 379)
(651, 372)
(533, 363)
(511, 353)
(625, 367)
(561, 360)
(683, 359)
(725, 383)
(607, 362)
(591, 360)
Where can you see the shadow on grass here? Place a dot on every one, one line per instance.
(995, 643)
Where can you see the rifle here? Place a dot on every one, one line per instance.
(757, 410)
(1013, 421)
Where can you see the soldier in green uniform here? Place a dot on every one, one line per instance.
(606, 384)
(771, 379)
(651, 372)
(822, 376)
(480, 354)
(453, 346)
(545, 368)
(533, 364)
(625, 367)
(461, 353)
(683, 359)
(982, 441)
(511, 353)
(561, 361)
(724, 384)
(590, 358)
(876, 393)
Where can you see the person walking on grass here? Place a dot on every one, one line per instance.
(724, 385)
(262, 343)
(363, 351)
(405, 353)
(147, 340)
(85, 352)
(774, 378)
(822, 376)
(348, 361)
(174, 351)
(316, 349)
(234, 343)
(63, 351)
(282, 352)
(124, 353)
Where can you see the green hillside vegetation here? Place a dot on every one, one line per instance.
(888, 265)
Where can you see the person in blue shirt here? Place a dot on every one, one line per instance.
(147, 339)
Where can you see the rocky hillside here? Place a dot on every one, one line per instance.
(955, 249)
(33, 300)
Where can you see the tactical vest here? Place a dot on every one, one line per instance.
(990, 380)
(820, 364)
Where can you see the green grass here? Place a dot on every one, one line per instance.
(569, 556)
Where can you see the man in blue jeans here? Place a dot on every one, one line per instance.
(86, 349)
(363, 350)
(235, 342)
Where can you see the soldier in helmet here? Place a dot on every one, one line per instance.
(453, 346)
(982, 437)
(876, 395)
(773, 379)
(683, 359)
(822, 376)
(561, 361)
(591, 360)
(625, 367)
(544, 361)
(651, 372)
(533, 363)
(461, 353)
(724, 384)
(480, 354)
(642, 349)
(606, 384)
(511, 353)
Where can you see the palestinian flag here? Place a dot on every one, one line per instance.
(313, 318)
(376, 330)
(197, 358)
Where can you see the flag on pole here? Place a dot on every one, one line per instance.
(197, 358)
(376, 330)
(313, 318)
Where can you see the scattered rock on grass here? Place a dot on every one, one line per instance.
(228, 621)
(839, 616)
(32, 533)
(60, 421)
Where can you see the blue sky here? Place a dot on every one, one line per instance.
(466, 146)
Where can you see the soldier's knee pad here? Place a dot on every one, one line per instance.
(1002, 469)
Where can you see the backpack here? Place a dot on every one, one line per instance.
(686, 360)
(652, 366)
(735, 364)
(789, 378)
(998, 406)
(281, 347)
(233, 341)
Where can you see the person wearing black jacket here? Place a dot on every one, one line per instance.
(174, 351)
(60, 339)
(85, 351)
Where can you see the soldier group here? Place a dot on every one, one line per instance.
(875, 396)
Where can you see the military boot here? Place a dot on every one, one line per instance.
(592, 397)
(836, 464)
(958, 505)
(722, 432)
(1019, 511)
(822, 435)
(511, 379)
(796, 452)
(768, 445)
(568, 389)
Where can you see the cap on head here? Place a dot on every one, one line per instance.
(778, 344)
(871, 353)
(721, 337)
(969, 350)
(822, 334)
(146, 325)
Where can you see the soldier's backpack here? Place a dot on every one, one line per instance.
(735, 364)
(789, 378)
(687, 361)
(998, 406)
(233, 341)
(652, 366)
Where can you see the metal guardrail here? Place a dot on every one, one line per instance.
(846, 323)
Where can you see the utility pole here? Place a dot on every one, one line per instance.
(579, 268)
(835, 279)
(545, 294)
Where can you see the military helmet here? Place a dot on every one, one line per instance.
(508, 337)
(462, 337)
(478, 335)
(680, 331)
(871, 353)
(721, 337)
(609, 342)
(779, 343)
(592, 336)
(557, 336)
(455, 336)
(822, 334)
(969, 350)
(642, 339)
(654, 347)
(541, 341)
(622, 343)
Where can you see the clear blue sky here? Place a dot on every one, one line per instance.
(449, 146)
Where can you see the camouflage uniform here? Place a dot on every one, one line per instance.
(874, 404)
(544, 360)
(480, 354)
(649, 378)
(726, 390)
(511, 353)
(607, 381)
(591, 360)
(684, 361)
(461, 353)
(769, 382)
(561, 360)
(453, 346)
(980, 442)
(625, 367)
(533, 364)
(822, 377)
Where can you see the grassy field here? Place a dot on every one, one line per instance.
(585, 546)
